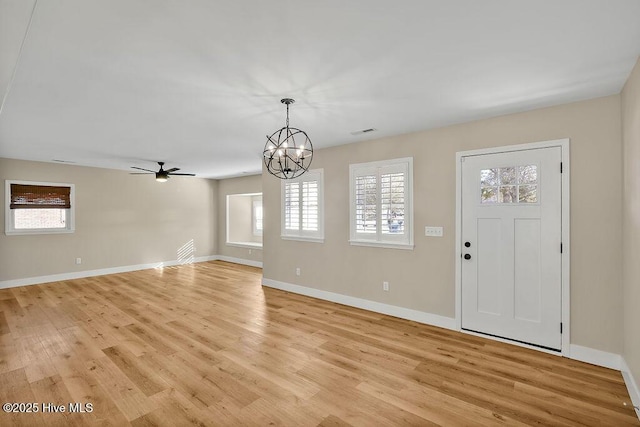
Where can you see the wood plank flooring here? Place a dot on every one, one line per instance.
(205, 344)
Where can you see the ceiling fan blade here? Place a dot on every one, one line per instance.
(141, 173)
(183, 174)
(134, 167)
(172, 170)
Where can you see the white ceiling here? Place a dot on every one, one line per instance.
(198, 83)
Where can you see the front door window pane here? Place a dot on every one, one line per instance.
(509, 185)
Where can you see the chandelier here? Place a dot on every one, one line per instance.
(288, 151)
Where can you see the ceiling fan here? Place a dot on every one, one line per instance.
(161, 175)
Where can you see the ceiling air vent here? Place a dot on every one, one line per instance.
(360, 132)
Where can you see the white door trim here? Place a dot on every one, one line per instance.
(566, 306)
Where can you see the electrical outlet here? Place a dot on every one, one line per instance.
(78, 261)
(249, 251)
(385, 286)
(297, 271)
(433, 231)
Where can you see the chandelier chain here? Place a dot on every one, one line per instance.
(287, 115)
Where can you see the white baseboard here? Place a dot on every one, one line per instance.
(378, 307)
(240, 261)
(100, 272)
(595, 357)
(632, 385)
(114, 270)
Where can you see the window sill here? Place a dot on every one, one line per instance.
(250, 245)
(387, 245)
(36, 232)
(303, 239)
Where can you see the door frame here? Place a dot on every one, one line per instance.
(566, 247)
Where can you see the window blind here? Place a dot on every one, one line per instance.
(25, 196)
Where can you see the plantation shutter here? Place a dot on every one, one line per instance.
(381, 202)
(392, 196)
(25, 196)
(302, 207)
(292, 206)
(309, 205)
(366, 189)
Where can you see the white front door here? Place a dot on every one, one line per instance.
(511, 245)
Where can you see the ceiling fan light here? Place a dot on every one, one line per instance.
(161, 175)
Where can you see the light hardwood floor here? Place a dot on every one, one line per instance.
(205, 344)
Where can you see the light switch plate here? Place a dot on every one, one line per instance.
(433, 231)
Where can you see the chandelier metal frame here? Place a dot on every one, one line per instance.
(288, 152)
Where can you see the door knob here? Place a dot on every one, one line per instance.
(467, 244)
(467, 256)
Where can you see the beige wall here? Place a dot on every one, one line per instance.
(121, 220)
(241, 185)
(240, 218)
(423, 279)
(631, 220)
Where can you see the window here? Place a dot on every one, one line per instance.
(257, 217)
(381, 203)
(509, 185)
(302, 207)
(38, 207)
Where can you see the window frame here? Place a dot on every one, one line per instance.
(379, 239)
(9, 214)
(302, 235)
